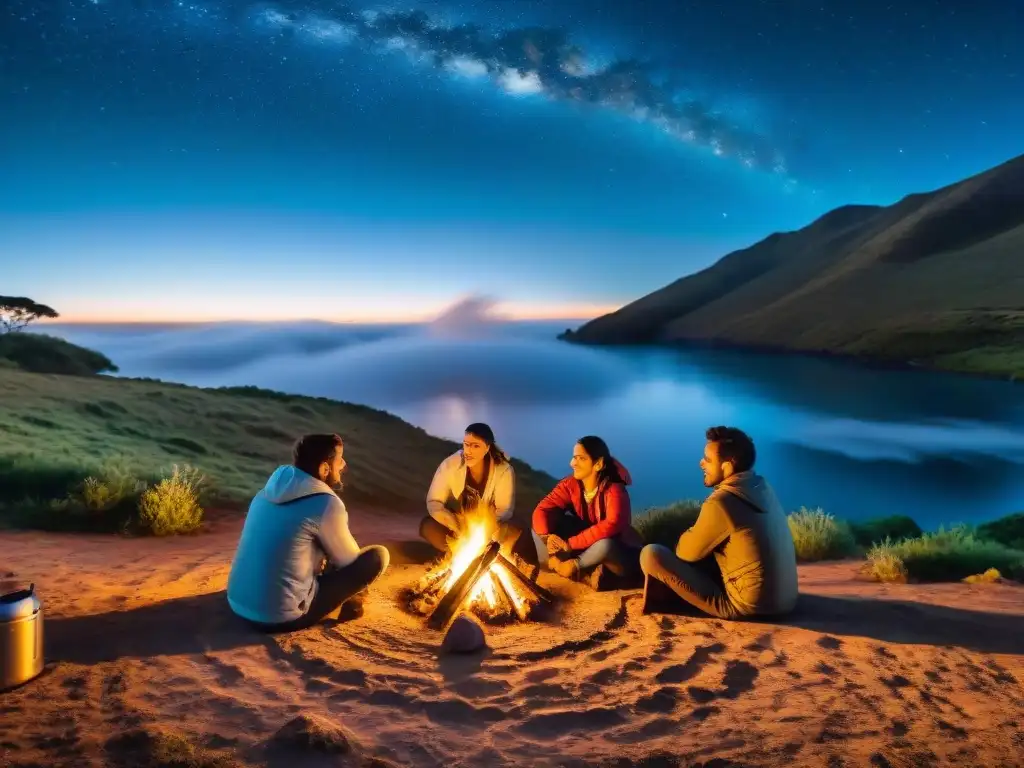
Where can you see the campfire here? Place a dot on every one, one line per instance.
(475, 575)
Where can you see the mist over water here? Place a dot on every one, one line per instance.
(860, 443)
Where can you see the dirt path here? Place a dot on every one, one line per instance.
(139, 641)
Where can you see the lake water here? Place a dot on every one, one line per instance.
(859, 443)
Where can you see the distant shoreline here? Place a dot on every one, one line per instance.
(868, 362)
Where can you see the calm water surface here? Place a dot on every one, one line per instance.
(860, 443)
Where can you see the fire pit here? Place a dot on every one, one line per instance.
(476, 576)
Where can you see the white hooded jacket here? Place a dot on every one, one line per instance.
(450, 481)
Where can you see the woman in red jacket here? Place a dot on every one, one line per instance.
(584, 523)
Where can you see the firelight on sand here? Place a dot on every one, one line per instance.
(496, 594)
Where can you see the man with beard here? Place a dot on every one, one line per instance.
(297, 561)
(738, 559)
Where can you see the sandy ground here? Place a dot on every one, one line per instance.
(140, 643)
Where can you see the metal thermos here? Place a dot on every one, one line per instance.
(21, 637)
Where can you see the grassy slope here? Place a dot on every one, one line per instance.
(937, 279)
(235, 437)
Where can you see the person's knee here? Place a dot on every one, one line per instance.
(652, 557)
(601, 549)
(378, 559)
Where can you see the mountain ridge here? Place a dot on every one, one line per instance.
(935, 279)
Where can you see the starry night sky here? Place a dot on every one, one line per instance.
(183, 160)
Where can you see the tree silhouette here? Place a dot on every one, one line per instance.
(18, 311)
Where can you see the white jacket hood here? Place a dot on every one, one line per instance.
(289, 483)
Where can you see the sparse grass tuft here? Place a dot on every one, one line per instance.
(819, 536)
(885, 565)
(115, 485)
(991, 576)
(172, 505)
(945, 555)
(664, 525)
(151, 748)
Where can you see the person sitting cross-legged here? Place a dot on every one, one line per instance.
(738, 558)
(296, 561)
(477, 479)
(583, 525)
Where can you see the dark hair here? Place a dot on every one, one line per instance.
(310, 451)
(485, 433)
(597, 448)
(734, 445)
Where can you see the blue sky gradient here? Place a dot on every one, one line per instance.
(211, 160)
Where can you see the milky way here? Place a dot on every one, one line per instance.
(535, 61)
(522, 62)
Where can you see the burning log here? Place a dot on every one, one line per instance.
(463, 587)
(535, 589)
(475, 576)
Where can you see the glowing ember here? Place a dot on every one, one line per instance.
(496, 595)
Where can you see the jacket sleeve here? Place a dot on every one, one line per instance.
(617, 515)
(505, 494)
(335, 537)
(437, 495)
(713, 526)
(558, 499)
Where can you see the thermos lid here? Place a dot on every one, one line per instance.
(19, 604)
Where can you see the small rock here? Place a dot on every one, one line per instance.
(313, 734)
(465, 635)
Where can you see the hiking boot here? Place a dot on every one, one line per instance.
(351, 609)
(599, 579)
(567, 569)
(555, 544)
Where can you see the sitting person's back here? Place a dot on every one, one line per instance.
(295, 524)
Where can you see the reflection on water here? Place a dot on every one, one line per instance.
(858, 442)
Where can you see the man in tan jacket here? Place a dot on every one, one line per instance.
(742, 524)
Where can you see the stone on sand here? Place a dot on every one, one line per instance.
(313, 734)
(465, 635)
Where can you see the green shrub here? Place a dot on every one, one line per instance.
(1008, 531)
(945, 555)
(172, 505)
(894, 527)
(104, 501)
(110, 498)
(115, 486)
(32, 476)
(819, 536)
(664, 525)
(38, 353)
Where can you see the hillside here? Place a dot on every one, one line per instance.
(936, 279)
(59, 429)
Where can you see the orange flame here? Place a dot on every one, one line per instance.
(478, 530)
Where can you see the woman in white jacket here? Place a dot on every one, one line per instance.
(478, 475)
